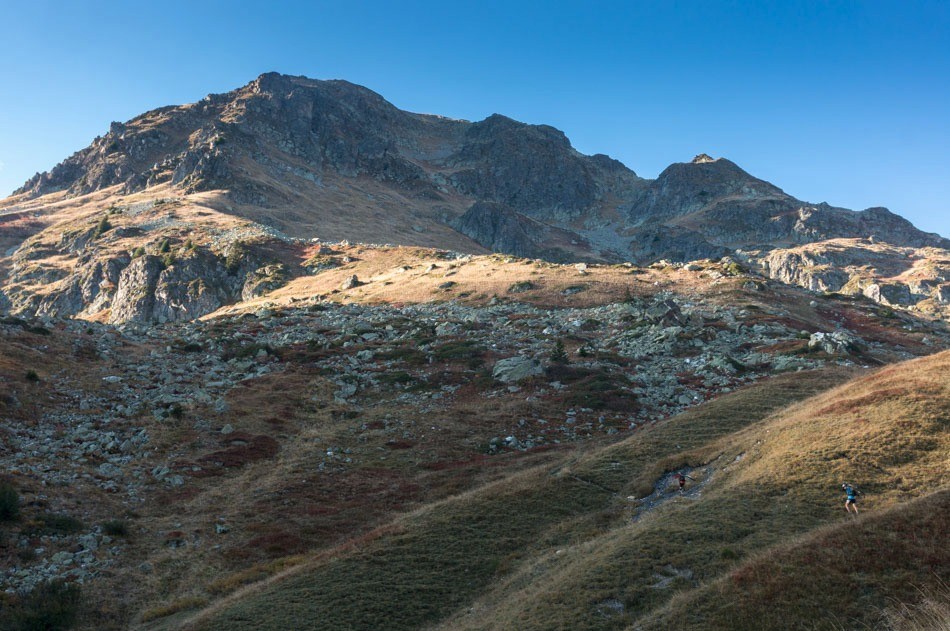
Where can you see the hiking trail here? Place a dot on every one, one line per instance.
(667, 488)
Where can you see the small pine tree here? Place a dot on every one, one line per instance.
(164, 247)
(235, 257)
(9, 502)
(137, 252)
(102, 227)
(558, 355)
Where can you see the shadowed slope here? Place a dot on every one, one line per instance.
(442, 557)
(556, 549)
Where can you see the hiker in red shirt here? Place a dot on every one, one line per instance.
(681, 478)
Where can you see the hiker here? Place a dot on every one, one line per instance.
(852, 494)
(681, 477)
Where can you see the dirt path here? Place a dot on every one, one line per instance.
(667, 488)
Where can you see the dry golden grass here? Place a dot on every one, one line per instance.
(406, 275)
(882, 571)
(282, 512)
(176, 606)
(555, 548)
(778, 489)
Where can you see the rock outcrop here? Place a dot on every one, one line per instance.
(182, 284)
(501, 229)
(886, 274)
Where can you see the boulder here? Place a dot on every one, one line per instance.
(839, 342)
(889, 293)
(667, 313)
(515, 369)
(350, 283)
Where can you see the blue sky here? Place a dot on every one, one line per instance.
(844, 102)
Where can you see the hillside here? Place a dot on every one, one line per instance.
(555, 546)
(165, 466)
(291, 357)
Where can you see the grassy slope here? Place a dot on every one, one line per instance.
(440, 558)
(841, 577)
(886, 432)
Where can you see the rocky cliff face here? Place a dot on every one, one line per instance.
(890, 275)
(330, 158)
(501, 229)
(336, 128)
(167, 281)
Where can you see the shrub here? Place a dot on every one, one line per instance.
(54, 524)
(453, 351)
(728, 554)
(137, 252)
(733, 269)
(164, 247)
(558, 355)
(567, 374)
(395, 377)
(51, 606)
(115, 528)
(457, 350)
(9, 502)
(235, 257)
(601, 391)
(26, 555)
(101, 228)
(246, 352)
(521, 286)
(32, 376)
(408, 354)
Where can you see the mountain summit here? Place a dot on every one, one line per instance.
(291, 141)
(329, 159)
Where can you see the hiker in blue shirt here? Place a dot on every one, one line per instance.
(852, 494)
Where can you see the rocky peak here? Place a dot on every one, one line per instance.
(308, 157)
(684, 188)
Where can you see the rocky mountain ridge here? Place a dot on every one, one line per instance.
(146, 223)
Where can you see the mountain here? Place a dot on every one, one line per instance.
(293, 358)
(219, 200)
